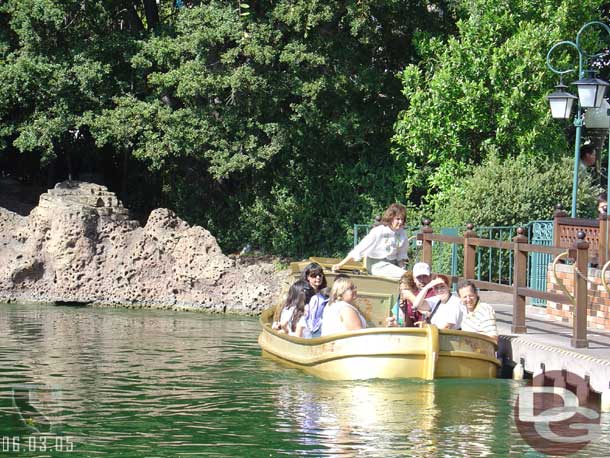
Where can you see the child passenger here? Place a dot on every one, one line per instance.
(313, 274)
(316, 298)
(295, 301)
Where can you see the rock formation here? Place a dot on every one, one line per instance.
(79, 245)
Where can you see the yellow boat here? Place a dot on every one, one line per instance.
(381, 352)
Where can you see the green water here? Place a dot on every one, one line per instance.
(122, 383)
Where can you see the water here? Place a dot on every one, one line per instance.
(123, 383)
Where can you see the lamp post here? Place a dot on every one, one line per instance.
(591, 92)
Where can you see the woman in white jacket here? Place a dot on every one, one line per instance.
(385, 246)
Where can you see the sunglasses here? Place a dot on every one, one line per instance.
(320, 274)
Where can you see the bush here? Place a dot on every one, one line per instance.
(514, 191)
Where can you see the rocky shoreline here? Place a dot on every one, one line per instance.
(80, 246)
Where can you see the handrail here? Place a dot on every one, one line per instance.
(603, 275)
(556, 277)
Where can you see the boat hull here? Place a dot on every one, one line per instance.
(386, 353)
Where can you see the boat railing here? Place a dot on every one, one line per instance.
(469, 242)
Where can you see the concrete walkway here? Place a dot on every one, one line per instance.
(546, 345)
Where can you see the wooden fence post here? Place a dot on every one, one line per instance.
(519, 281)
(581, 272)
(426, 243)
(602, 247)
(470, 252)
(558, 213)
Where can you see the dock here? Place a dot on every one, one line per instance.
(546, 345)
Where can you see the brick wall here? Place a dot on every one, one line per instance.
(598, 308)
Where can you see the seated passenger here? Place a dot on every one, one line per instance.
(314, 311)
(313, 274)
(478, 316)
(443, 310)
(283, 314)
(297, 326)
(340, 314)
(385, 247)
(409, 287)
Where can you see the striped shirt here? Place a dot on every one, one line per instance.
(482, 320)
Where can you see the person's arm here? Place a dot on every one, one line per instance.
(338, 266)
(350, 319)
(359, 250)
(408, 295)
(421, 296)
(300, 329)
(392, 320)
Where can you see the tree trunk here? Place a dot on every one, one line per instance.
(151, 10)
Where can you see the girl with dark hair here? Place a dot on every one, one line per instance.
(385, 246)
(297, 325)
(403, 313)
(294, 300)
(316, 298)
(313, 274)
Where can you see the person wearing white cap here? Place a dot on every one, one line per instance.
(421, 274)
(385, 246)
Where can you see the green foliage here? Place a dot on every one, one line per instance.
(269, 123)
(510, 192)
(266, 122)
(483, 91)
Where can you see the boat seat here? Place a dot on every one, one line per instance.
(351, 266)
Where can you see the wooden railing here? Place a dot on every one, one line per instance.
(578, 252)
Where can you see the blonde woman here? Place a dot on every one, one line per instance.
(340, 315)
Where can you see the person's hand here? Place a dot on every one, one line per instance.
(391, 322)
(420, 324)
(335, 267)
(275, 325)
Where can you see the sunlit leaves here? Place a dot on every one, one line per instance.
(484, 90)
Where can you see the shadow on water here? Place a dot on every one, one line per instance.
(72, 304)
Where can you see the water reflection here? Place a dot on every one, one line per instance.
(379, 418)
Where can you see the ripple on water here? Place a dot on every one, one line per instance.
(149, 383)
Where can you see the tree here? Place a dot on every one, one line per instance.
(484, 90)
(266, 122)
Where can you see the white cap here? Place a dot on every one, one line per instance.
(421, 268)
